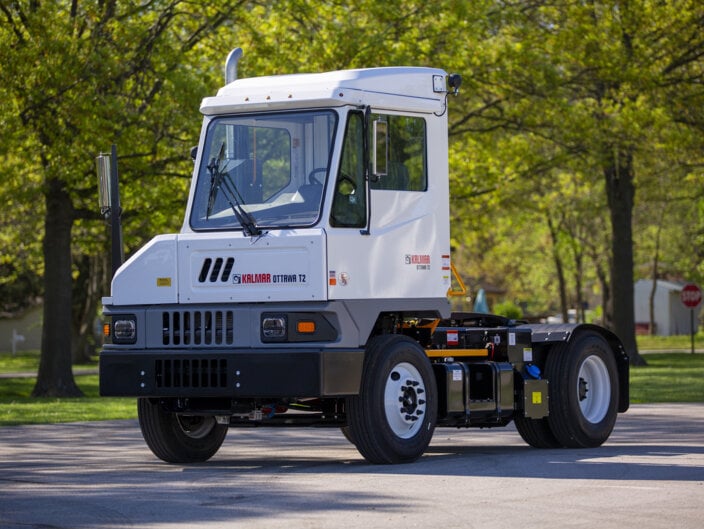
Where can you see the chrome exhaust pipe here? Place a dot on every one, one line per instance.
(231, 65)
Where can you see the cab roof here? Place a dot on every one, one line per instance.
(415, 89)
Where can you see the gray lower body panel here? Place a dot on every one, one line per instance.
(232, 374)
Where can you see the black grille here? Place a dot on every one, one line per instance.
(197, 327)
(191, 373)
(214, 270)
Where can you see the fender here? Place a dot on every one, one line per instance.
(547, 334)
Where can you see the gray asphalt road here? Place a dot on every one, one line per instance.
(650, 474)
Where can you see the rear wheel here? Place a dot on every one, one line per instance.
(392, 420)
(536, 432)
(176, 437)
(348, 434)
(583, 392)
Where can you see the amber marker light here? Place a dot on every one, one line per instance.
(305, 327)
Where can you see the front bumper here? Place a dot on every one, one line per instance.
(238, 373)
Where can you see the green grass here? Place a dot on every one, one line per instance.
(668, 377)
(18, 407)
(669, 343)
(22, 361)
(28, 361)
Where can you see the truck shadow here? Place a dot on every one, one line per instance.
(652, 448)
(641, 462)
(616, 462)
(102, 475)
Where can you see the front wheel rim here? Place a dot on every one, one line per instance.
(194, 426)
(594, 389)
(404, 400)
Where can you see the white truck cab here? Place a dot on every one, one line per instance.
(283, 209)
(309, 281)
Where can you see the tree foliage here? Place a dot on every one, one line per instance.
(591, 91)
(576, 144)
(80, 76)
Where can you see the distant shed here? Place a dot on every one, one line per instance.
(21, 332)
(671, 316)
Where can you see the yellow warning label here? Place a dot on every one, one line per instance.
(537, 397)
(163, 281)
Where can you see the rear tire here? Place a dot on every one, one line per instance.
(176, 437)
(348, 434)
(583, 391)
(392, 420)
(536, 432)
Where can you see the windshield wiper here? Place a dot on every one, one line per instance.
(215, 180)
(220, 179)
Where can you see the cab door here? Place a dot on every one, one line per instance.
(389, 225)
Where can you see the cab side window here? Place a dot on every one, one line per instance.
(405, 150)
(349, 206)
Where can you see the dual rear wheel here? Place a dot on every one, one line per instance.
(583, 393)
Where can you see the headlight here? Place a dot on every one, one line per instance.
(274, 328)
(124, 329)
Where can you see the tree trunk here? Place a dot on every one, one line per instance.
(578, 273)
(651, 299)
(559, 270)
(620, 192)
(602, 275)
(55, 376)
(86, 297)
(605, 296)
(654, 286)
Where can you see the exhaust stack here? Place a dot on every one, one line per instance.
(231, 65)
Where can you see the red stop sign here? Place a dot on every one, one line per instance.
(691, 296)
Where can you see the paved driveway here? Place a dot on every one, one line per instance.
(650, 474)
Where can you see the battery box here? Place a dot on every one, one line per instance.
(535, 398)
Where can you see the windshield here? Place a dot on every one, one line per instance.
(263, 171)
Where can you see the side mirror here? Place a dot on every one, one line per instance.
(102, 165)
(194, 153)
(346, 187)
(380, 147)
(109, 198)
(454, 81)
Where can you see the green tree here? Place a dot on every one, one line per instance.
(592, 83)
(566, 110)
(81, 75)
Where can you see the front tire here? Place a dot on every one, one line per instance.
(176, 437)
(583, 391)
(392, 420)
